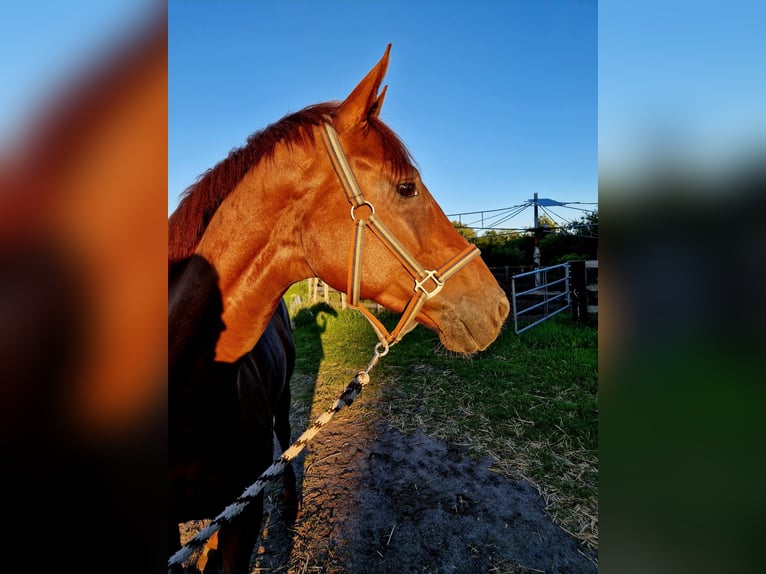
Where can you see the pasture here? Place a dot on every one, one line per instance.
(529, 402)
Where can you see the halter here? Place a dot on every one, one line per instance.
(428, 283)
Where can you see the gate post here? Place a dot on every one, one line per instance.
(579, 294)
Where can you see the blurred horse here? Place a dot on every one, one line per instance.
(83, 353)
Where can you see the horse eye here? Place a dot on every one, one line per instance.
(407, 189)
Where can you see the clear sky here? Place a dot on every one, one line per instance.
(44, 45)
(496, 100)
(680, 79)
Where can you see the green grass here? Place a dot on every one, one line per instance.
(529, 401)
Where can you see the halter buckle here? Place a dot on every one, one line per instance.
(432, 276)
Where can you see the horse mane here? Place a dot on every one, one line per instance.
(200, 200)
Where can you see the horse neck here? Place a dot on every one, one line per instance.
(254, 244)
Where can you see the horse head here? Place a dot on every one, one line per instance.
(468, 309)
(296, 203)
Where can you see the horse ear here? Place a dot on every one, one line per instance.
(364, 101)
(375, 109)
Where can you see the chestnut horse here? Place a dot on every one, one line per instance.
(294, 203)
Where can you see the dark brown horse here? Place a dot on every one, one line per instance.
(222, 417)
(294, 203)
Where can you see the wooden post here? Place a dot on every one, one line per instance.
(577, 286)
(313, 289)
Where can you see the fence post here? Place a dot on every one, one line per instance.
(513, 302)
(579, 295)
(313, 282)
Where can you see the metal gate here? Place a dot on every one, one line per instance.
(539, 295)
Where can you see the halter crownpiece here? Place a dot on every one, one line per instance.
(428, 283)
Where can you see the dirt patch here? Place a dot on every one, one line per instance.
(377, 500)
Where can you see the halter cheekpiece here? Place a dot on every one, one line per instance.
(428, 283)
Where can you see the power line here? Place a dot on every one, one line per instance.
(485, 210)
(553, 215)
(494, 217)
(491, 219)
(512, 215)
(518, 229)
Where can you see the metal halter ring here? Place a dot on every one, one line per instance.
(377, 354)
(384, 351)
(367, 203)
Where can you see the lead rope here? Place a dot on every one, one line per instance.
(348, 396)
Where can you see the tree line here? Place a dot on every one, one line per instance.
(575, 241)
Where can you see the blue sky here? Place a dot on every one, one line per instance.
(44, 45)
(680, 78)
(496, 100)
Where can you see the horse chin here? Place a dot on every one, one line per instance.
(461, 337)
(465, 333)
(464, 346)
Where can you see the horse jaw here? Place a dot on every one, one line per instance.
(468, 324)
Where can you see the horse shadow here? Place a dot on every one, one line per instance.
(277, 538)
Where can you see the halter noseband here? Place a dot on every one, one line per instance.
(428, 283)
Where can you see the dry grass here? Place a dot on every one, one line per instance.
(529, 402)
(512, 455)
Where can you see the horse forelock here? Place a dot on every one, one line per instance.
(200, 200)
